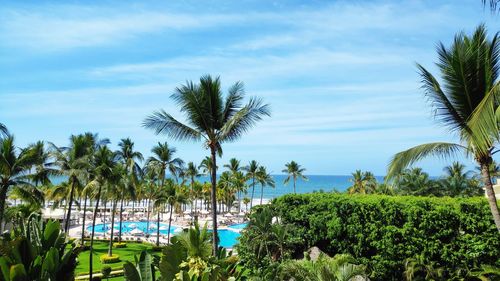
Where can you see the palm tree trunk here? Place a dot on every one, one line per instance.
(158, 230)
(169, 224)
(93, 229)
(294, 181)
(253, 189)
(3, 197)
(84, 216)
(70, 203)
(214, 201)
(490, 193)
(110, 247)
(261, 193)
(147, 224)
(121, 218)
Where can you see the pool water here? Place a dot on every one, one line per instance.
(130, 225)
(227, 237)
(238, 225)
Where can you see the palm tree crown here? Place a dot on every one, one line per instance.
(469, 71)
(294, 171)
(211, 117)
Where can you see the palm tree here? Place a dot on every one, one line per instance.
(469, 71)
(116, 187)
(129, 159)
(13, 169)
(212, 118)
(3, 130)
(415, 182)
(251, 170)
(339, 268)
(265, 179)
(192, 173)
(362, 183)
(43, 168)
(294, 171)
(72, 162)
(104, 162)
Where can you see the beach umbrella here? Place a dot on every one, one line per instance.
(242, 214)
(228, 215)
(187, 217)
(139, 213)
(125, 213)
(204, 212)
(136, 231)
(187, 212)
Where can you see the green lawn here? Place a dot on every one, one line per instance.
(100, 248)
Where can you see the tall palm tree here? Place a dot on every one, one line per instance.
(294, 171)
(72, 162)
(44, 168)
(362, 183)
(265, 179)
(469, 70)
(14, 166)
(104, 162)
(251, 170)
(192, 173)
(211, 118)
(116, 187)
(129, 158)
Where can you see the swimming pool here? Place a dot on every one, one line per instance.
(128, 226)
(227, 237)
(238, 225)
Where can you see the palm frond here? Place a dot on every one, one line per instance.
(244, 119)
(406, 158)
(163, 123)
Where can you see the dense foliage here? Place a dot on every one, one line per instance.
(383, 232)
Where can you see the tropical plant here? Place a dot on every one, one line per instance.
(14, 166)
(341, 267)
(73, 162)
(212, 118)
(362, 183)
(143, 270)
(251, 170)
(104, 161)
(39, 252)
(469, 71)
(3, 130)
(416, 182)
(419, 268)
(265, 179)
(192, 173)
(294, 171)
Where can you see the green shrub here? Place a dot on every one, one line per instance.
(120, 245)
(110, 259)
(106, 271)
(155, 248)
(384, 231)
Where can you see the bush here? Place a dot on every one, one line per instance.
(110, 259)
(155, 248)
(120, 245)
(106, 271)
(384, 231)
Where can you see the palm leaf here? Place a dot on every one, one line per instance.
(163, 123)
(406, 158)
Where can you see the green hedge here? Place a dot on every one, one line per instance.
(120, 245)
(105, 259)
(383, 231)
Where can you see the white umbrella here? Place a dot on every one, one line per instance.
(136, 231)
(242, 214)
(125, 213)
(139, 213)
(204, 212)
(228, 215)
(132, 225)
(187, 212)
(187, 217)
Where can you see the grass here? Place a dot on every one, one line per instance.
(100, 248)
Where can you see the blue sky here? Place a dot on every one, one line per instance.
(340, 76)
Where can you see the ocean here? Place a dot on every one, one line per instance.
(314, 183)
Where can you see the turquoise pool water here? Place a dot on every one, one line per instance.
(130, 225)
(227, 238)
(238, 225)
